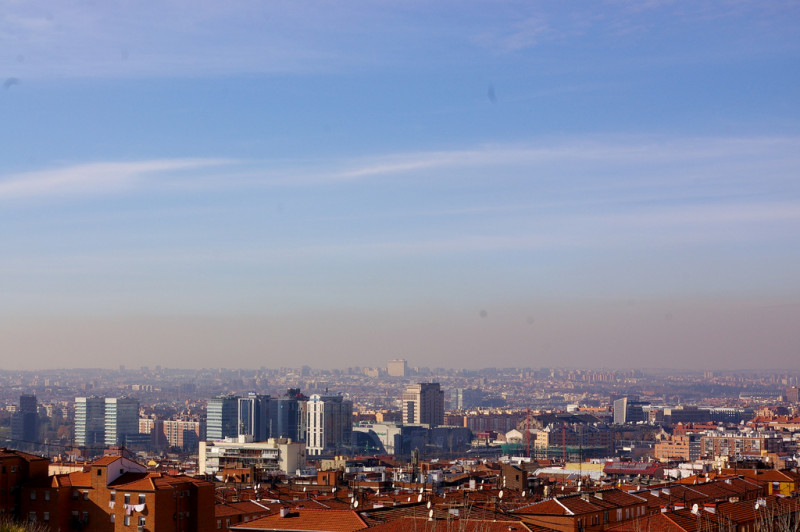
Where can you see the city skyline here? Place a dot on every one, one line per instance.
(460, 185)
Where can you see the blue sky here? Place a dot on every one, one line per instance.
(460, 184)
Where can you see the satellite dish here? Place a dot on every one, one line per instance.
(695, 508)
(355, 504)
(421, 490)
(523, 493)
(334, 489)
(500, 495)
(428, 505)
(304, 489)
(419, 498)
(430, 514)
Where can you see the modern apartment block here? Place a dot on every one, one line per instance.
(423, 403)
(329, 424)
(244, 457)
(183, 434)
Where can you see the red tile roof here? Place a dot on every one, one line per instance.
(444, 525)
(106, 460)
(308, 520)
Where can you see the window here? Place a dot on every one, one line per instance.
(113, 496)
(142, 498)
(33, 495)
(75, 495)
(47, 495)
(46, 516)
(113, 518)
(13, 469)
(85, 495)
(32, 517)
(127, 498)
(142, 520)
(219, 524)
(127, 520)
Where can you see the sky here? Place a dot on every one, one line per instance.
(602, 184)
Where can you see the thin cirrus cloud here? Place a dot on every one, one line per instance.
(614, 170)
(92, 178)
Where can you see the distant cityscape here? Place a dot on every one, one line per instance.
(563, 429)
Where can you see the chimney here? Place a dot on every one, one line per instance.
(284, 512)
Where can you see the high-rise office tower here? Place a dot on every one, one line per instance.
(629, 410)
(90, 421)
(793, 394)
(25, 421)
(423, 403)
(462, 398)
(287, 416)
(253, 416)
(329, 424)
(121, 419)
(222, 417)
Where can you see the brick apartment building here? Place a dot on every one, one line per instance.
(17, 468)
(117, 494)
(687, 447)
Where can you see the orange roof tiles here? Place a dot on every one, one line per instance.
(308, 520)
(106, 460)
(443, 525)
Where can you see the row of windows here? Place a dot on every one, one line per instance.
(127, 520)
(32, 516)
(127, 498)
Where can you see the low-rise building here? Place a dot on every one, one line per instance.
(117, 494)
(261, 459)
(17, 468)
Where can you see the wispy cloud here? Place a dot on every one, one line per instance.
(92, 178)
